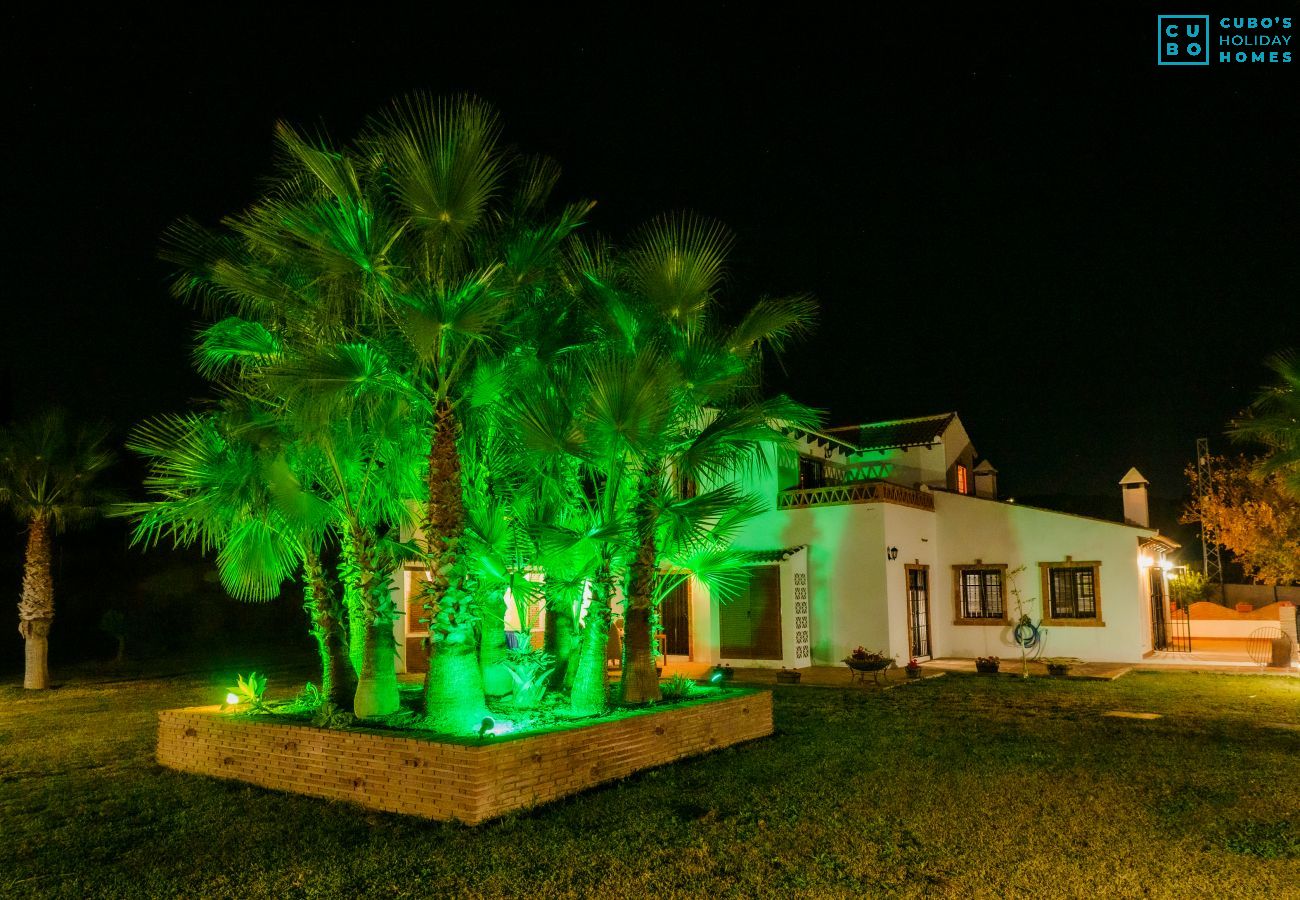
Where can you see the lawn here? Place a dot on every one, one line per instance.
(959, 786)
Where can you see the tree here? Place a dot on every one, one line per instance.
(1251, 510)
(212, 481)
(476, 262)
(48, 473)
(705, 421)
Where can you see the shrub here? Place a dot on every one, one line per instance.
(679, 687)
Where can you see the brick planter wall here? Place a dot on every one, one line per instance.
(467, 780)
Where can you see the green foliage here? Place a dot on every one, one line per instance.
(529, 670)
(250, 690)
(1190, 586)
(327, 715)
(678, 687)
(309, 698)
(49, 469)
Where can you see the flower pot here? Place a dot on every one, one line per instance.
(913, 671)
(788, 676)
(1058, 671)
(1245, 608)
(987, 668)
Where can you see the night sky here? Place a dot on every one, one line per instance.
(1026, 221)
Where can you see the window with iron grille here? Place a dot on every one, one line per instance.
(981, 594)
(1073, 592)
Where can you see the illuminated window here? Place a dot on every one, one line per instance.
(1071, 594)
(963, 480)
(980, 593)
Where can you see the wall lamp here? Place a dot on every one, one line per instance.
(893, 553)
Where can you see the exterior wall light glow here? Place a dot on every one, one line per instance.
(232, 699)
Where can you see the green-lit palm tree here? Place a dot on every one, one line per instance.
(481, 255)
(1273, 420)
(48, 480)
(216, 480)
(710, 422)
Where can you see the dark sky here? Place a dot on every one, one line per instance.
(1021, 219)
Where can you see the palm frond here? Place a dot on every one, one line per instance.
(678, 262)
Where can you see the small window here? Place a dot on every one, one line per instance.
(963, 480)
(980, 594)
(1071, 594)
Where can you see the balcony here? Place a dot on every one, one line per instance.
(854, 492)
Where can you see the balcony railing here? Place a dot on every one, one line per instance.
(854, 492)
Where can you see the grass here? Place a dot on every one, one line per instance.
(954, 787)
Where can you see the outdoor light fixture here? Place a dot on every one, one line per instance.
(485, 728)
(232, 699)
(893, 552)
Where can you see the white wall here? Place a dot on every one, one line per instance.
(914, 533)
(971, 528)
(846, 571)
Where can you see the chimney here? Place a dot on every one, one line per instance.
(1136, 510)
(986, 480)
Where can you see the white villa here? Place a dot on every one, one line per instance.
(891, 536)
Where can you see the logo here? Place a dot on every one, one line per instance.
(1182, 40)
(1186, 40)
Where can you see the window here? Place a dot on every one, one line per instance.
(980, 595)
(963, 480)
(818, 473)
(1071, 594)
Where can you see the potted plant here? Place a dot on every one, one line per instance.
(1058, 668)
(988, 665)
(913, 669)
(788, 676)
(865, 662)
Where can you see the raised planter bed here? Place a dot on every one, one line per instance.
(471, 780)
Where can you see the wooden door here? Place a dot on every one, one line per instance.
(750, 625)
(675, 620)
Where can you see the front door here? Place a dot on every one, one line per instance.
(675, 620)
(918, 611)
(749, 625)
(1159, 610)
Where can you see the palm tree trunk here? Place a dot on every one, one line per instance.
(453, 686)
(561, 641)
(453, 691)
(353, 604)
(492, 646)
(376, 693)
(320, 607)
(36, 608)
(589, 694)
(640, 681)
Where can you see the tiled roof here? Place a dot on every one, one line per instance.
(899, 433)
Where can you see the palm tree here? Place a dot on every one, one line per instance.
(214, 478)
(710, 423)
(477, 262)
(48, 470)
(1273, 420)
